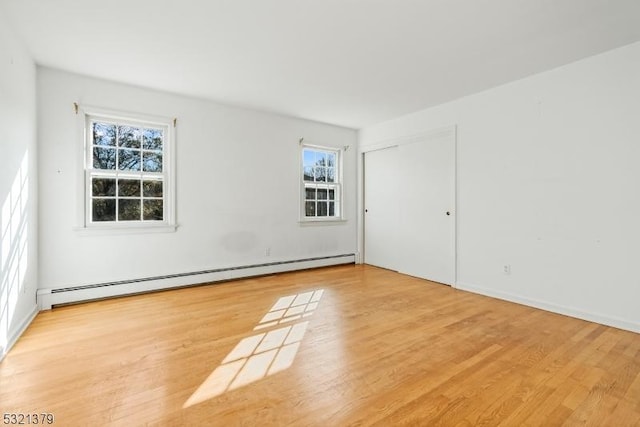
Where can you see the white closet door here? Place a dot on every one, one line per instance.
(426, 195)
(409, 220)
(381, 208)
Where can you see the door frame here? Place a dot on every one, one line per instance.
(446, 131)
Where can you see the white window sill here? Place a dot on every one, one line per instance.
(110, 230)
(323, 221)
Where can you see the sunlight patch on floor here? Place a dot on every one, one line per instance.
(263, 354)
(290, 308)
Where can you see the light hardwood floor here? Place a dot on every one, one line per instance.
(380, 348)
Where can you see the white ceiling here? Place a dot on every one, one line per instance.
(346, 62)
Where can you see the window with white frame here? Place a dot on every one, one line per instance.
(321, 183)
(127, 172)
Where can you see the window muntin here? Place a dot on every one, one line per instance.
(126, 172)
(321, 183)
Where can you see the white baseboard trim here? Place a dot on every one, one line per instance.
(554, 308)
(19, 330)
(47, 298)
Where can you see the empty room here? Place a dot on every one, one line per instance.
(320, 213)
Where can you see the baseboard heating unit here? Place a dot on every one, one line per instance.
(48, 298)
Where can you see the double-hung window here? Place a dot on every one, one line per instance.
(128, 176)
(321, 183)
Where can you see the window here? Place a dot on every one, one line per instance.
(321, 183)
(127, 172)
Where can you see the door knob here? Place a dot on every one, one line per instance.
(448, 213)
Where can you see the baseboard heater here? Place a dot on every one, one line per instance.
(48, 298)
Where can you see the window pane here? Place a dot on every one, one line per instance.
(321, 177)
(308, 157)
(103, 187)
(129, 187)
(322, 209)
(321, 158)
(331, 172)
(104, 158)
(310, 193)
(310, 208)
(104, 134)
(129, 210)
(152, 139)
(152, 162)
(152, 188)
(104, 210)
(152, 210)
(308, 173)
(129, 160)
(128, 137)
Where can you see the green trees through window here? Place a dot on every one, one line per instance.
(126, 172)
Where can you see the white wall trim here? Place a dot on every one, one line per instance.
(615, 322)
(53, 296)
(456, 203)
(409, 139)
(17, 332)
(124, 230)
(360, 205)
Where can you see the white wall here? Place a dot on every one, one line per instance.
(548, 182)
(237, 188)
(18, 188)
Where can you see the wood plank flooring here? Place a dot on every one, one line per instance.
(379, 348)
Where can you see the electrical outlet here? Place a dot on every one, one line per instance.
(267, 252)
(506, 269)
